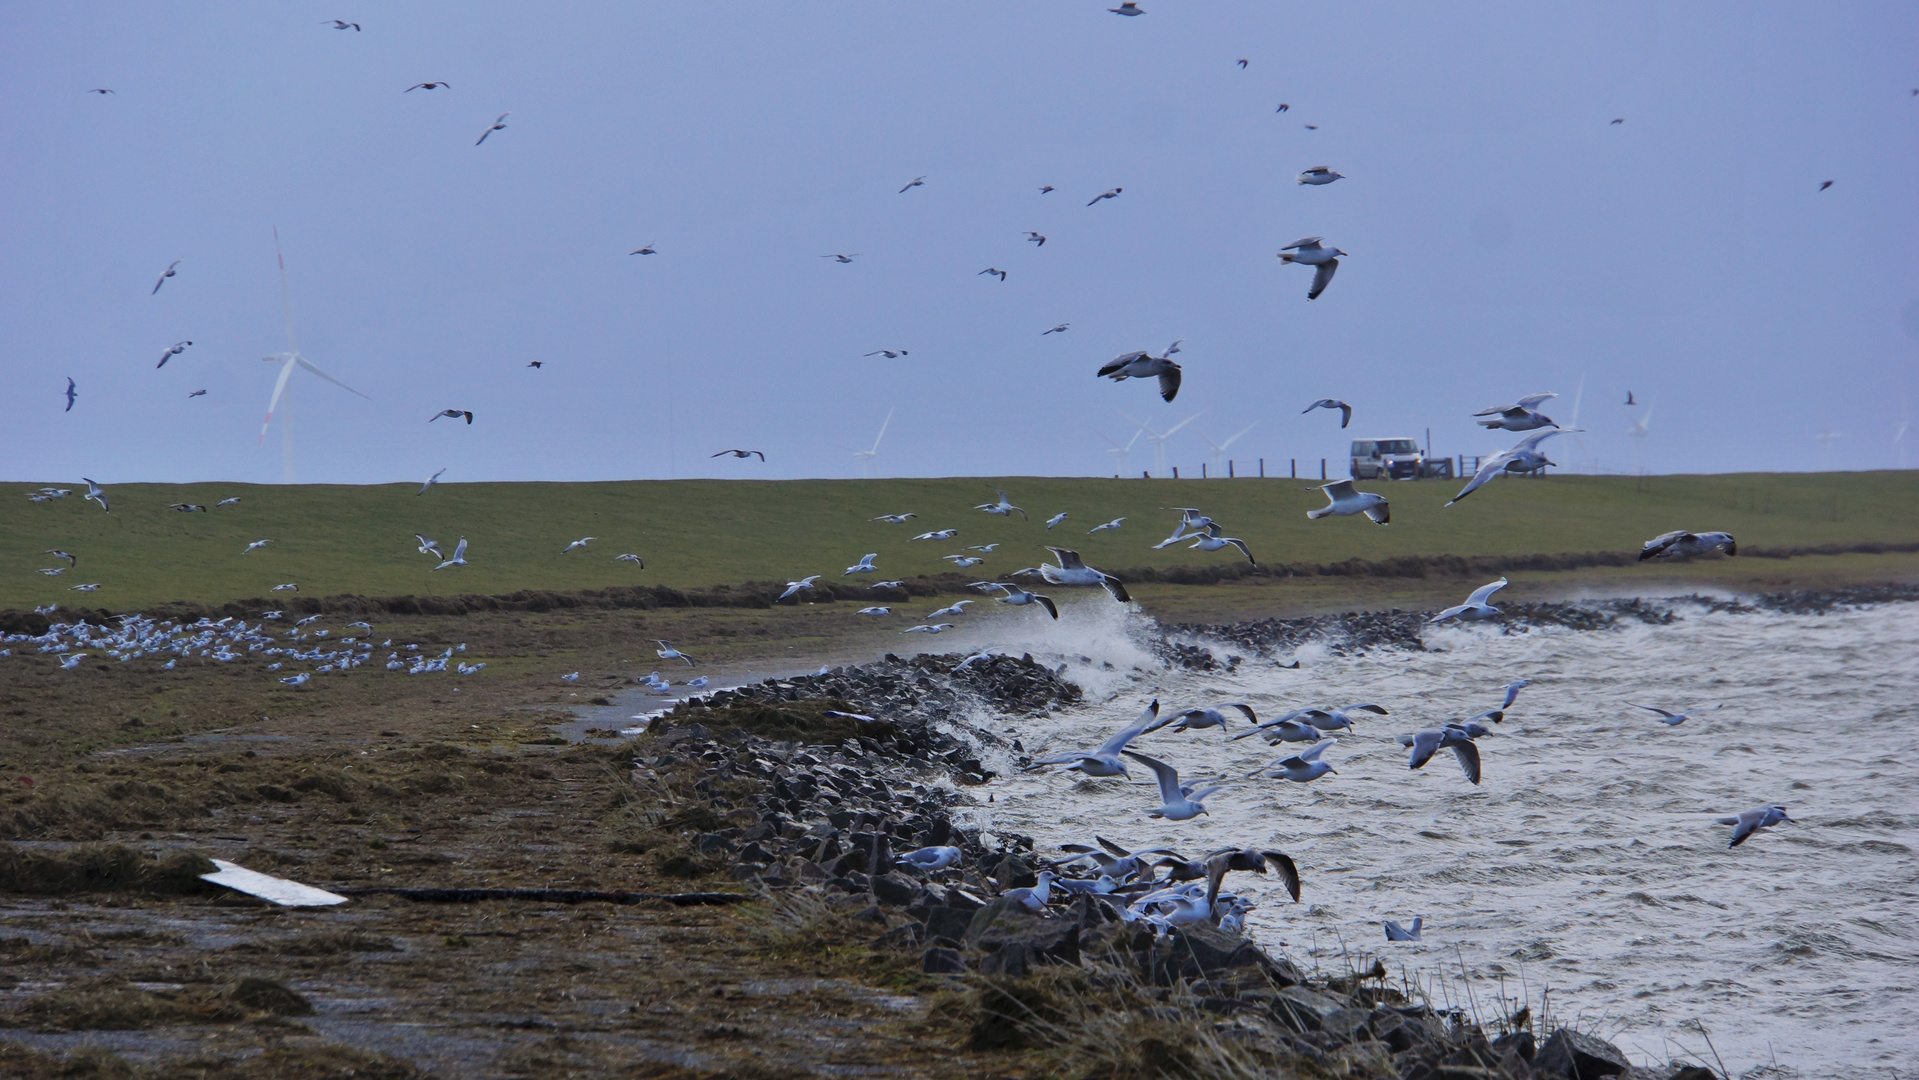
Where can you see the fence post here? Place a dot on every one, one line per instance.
(1202, 470)
(1322, 468)
(1176, 471)
(1229, 469)
(1144, 475)
(1294, 468)
(1262, 468)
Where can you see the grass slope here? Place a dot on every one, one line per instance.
(333, 540)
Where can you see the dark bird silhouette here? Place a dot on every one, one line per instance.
(993, 270)
(1629, 399)
(456, 413)
(70, 396)
(647, 250)
(1046, 188)
(187, 508)
(1621, 120)
(890, 354)
(1242, 65)
(498, 125)
(1113, 194)
(535, 363)
(195, 394)
(1060, 329)
(740, 454)
(1312, 127)
(99, 91)
(1825, 185)
(917, 181)
(1282, 107)
(427, 86)
(1037, 239)
(842, 258)
(1127, 7)
(341, 24)
(178, 348)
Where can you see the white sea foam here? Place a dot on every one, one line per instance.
(1588, 857)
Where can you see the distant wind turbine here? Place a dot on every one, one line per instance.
(1573, 428)
(1641, 428)
(1899, 436)
(287, 361)
(1219, 449)
(1159, 440)
(871, 458)
(1120, 453)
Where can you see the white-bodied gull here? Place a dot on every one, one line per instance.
(1343, 501)
(1475, 607)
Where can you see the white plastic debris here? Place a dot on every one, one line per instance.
(267, 887)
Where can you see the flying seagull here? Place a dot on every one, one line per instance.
(1019, 597)
(341, 24)
(1193, 719)
(1522, 415)
(1143, 365)
(1427, 743)
(740, 454)
(1673, 719)
(1242, 64)
(1619, 120)
(1343, 501)
(1309, 252)
(1127, 7)
(1512, 690)
(98, 494)
(1215, 539)
(1629, 399)
(1301, 768)
(70, 395)
(993, 270)
(99, 91)
(1107, 527)
(1475, 607)
(1178, 802)
(455, 413)
(498, 125)
(430, 481)
(1060, 329)
(1825, 185)
(195, 394)
(798, 586)
(1105, 760)
(1320, 174)
(629, 557)
(426, 86)
(1055, 520)
(177, 348)
(1113, 194)
(172, 269)
(1072, 570)
(917, 181)
(842, 258)
(429, 547)
(1345, 410)
(1282, 107)
(1036, 238)
(1046, 188)
(1752, 821)
(459, 556)
(937, 534)
(894, 519)
(890, 354)
(929, 628)
(647, 249)
(1685, 545)
(668, 652)
(580, 543)
(864, 566)
(1523, 457)
(187, 508)
(255, 546)
(1003, 508)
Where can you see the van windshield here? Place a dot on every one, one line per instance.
(1398, 446)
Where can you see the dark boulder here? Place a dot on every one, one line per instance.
(1572, 1055)
(939, 961)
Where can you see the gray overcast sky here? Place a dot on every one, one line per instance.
(1505, 237)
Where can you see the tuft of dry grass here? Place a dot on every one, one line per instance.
(100, 868)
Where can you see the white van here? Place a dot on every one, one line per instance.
(1395, 459)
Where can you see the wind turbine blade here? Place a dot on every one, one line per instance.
(308, 364)
(1181, 424)
(286, 298)
(882, 434)
(279, 387)
(1578, 395)
(1242, 431)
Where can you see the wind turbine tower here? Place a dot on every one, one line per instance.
(1219, 449)
(1159, 440)
(871, 458)
(1641, 428)
(288, 361)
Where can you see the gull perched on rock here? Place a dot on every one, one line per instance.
(98, 494)
(1425, 744)
(459, 556)
(1004, 507)
(1345, 410)
(929, 859)
(1140, 364)
(1320, 174)
(1207, 717)
(1751, 821)
(1178, 802)
(1072, 570)
(1685, 545)
(864, 566)
(1113, 524)
(1034, 899)
(1523, 415)
(1105, 761)
(580, 543)
(801, 585)
(1019, 597)
(172, 269)
(938, 534)
(1323, 260)
(1523, 457)
(1475, 607)
(1674, 719)
(894, 519)
(1343, 501)
(1302, 767)
(668, 652)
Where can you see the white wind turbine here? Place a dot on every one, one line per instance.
(1826, 438)
(1641, 428)
(287, 361)
(1219, 449)
(1159, 440)
(1899, 436)
(1120, 453)
(1572, 428)
(871, 458)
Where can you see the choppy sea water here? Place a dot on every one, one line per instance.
(1587, 863)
